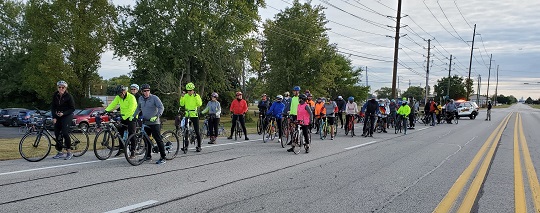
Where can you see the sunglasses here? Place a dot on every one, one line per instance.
(133, 89)
(146, 90)
(61, 87)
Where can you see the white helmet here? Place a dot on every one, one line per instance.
(279, 96)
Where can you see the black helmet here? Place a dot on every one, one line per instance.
(145, 86)
(302, 97)
(120, 89)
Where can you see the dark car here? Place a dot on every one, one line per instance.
(8, 117)
(27, 117)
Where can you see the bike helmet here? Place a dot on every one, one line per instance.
(120, 89)
(393, 100)
(287, 94)
(238, 93)
(145, 86)
(404, 99)
(215, 95)
(264, 94)
(296, 88)
(350, 98)
(279, 97)
(190, 86)
(135, 86)
(309, 95)
(373, 96)
(307, 91)
(61, 83)
(302, 97)
(323, 99)
(340, 97)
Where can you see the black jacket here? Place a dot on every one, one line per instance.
(64, 103)
(371, 107)
(341, 104)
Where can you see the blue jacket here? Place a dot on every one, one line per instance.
(276, 110)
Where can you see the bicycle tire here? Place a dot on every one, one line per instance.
(239, 131)
(171, 143)
(185, 140)
(135, 150)
(272, 131)
(322, 130)
(266, 134)
(23, 129)
(104, 144)
(260, 129)
(297, 143)
(456, 119)
(79, 143)
(33, 143)
(204, 131)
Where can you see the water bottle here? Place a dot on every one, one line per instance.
(125, 135)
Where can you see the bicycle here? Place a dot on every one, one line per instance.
(35, 146)
(401, 124)
(135, 150)
(187, 133)
(270, 131)
(288, 127)
(104, 144)
(206, 129)
(379, 126)
(350, 125)
(298, 138)
(238, 133)
(27, 127)
(323, 127)
(260, 123)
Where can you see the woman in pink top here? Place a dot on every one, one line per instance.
(304, 115)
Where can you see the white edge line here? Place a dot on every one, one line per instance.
(423, 128)
(134, 206)
(361, 145)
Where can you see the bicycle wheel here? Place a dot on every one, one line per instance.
(185, 140)
(260, 129)
(204, 131)
(322, 128)
(34, 147)
(456, 119)
(23, 129)
(298, 141)
(104, 144)
(172, 144)
(238, 133)
(380, 127)
(135, 149)
(272, 131)
(79, 143)
(266, 134)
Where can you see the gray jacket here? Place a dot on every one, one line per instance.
(149, 107)
(213, 107)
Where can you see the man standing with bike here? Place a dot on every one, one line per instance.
(276, 111)
(264, 105)
(128, 105)
(62, 108)
(341, 108)
(151, 108)
(238, 108)
(191, 101)
(371, 111)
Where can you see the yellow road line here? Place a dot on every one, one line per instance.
(519, 189)
(478, 180)
(448, 201)
(531, 173)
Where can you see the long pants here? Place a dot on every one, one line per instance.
(155, 131)
(340, 116)
(433, 118)
(488, 114)
(61, 131)
(369, 123)
(279, 123)
(195, 123)
(131, 126)
(305, 132)
(411, 120)
(242, 123)
(213, 124)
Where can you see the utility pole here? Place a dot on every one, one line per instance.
(409, 82)
(489, 75)
(396, 48)
(398, 79)
(427, 69)
(367, 84)
(448, 87)
(478, 92)
(470, 62)
(497, 85)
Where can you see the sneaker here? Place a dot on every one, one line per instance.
(148, 158)
(247, 139)
(385, 131)
(279, 140)
(290, 142)
(68, 156)
(121, 151)
(161, 161)
(183, 149)
(307, 149)
(331, 138)
(59, 155)
(132, 156)
(230, 137)
(290, 149)
(211, 142)
(198, 149)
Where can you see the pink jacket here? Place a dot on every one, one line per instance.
(304, 113)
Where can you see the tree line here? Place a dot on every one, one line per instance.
(218, 45)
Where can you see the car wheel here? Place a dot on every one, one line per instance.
(472, 116)
(5, 124)
(83, 126)
(14, 123)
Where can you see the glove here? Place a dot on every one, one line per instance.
(130, 118)
(152, 119)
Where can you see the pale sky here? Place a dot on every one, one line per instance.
(509, 30)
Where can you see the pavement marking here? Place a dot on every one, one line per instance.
(447, 202)
(423, 128)
(531, 172)
(53, 167)
(134, 206)
(361, 145)
(519, 189)
(478, 181)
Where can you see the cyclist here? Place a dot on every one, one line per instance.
(62, 108)
(264, 105)
(238, 108)
(404, 112)
(341, 108)
(305, 116)
(331, 109)
(134, 89)
(451, 111)
(152, 108)
(320, 111)
(383, 114)
(276, 111)
(412, 105)
(292, 107)
(432, 109)
(393, 109)
(191, 101)
(371, 108)
(488, 113)
(351, 109)
(286, 99)
(128, 105)
(213, 108)
(311, 104)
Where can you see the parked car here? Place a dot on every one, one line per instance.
(8, 116)
(27, 116)
(86, 117)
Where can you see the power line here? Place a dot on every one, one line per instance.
(378, 45)
(462, 14)
(379, 25)
(368, 9)
(441, 23)
(355, 28)
(450, 22)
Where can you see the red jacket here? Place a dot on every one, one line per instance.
(239, 107)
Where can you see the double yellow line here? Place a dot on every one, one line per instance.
(449, 200)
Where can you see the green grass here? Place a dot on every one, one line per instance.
(534, 106)
(508, 105)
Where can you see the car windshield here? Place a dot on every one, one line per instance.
(4, 112)
(22, 113)
(85, 112)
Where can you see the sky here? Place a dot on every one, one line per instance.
(364, 31)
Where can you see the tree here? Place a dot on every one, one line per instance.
(457, 88)
(384, 92)
(298, 53)
(416, 92)
(529, 100)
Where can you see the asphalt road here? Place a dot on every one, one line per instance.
(386, 173)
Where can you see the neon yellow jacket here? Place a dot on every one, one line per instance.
(128, 105)
(404, 110)
(191, 102)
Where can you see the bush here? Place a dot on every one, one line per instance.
(90, 102)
